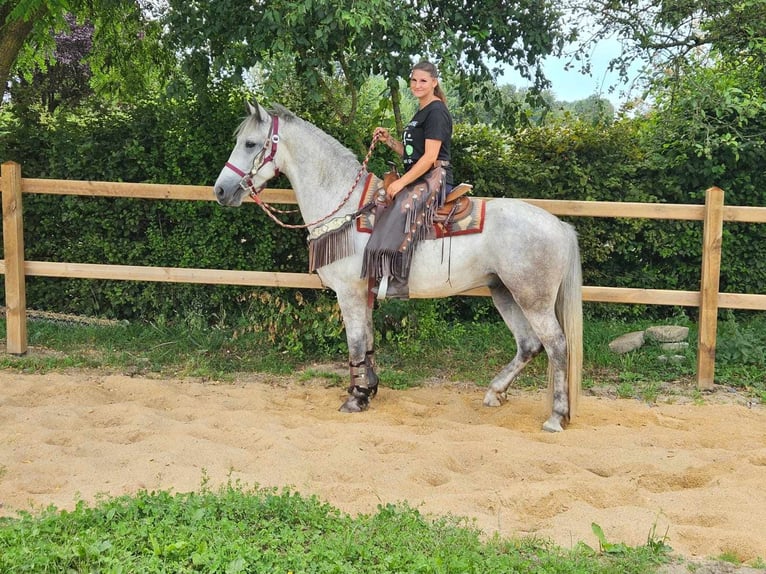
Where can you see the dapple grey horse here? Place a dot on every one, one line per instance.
(528, 258)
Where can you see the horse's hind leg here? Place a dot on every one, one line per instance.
(551, 335)
(528, 345)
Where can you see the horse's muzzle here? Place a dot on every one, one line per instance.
(226, 199)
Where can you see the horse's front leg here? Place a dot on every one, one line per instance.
(357, 318)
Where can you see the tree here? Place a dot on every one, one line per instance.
(125, 57)
(593, 109)
(18, 21)
(351, 40)
(707, 77)
(670, 33)
(66, 77)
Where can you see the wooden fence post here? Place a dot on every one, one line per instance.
(712, 239)
(13, 243)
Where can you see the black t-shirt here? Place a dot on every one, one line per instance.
(433, 122)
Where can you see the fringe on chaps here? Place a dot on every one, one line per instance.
(400, 226)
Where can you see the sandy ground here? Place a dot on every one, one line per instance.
(696, 472)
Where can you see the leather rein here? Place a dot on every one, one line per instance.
(261, 159)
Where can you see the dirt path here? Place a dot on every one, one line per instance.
(697, 472)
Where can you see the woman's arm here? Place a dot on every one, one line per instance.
(385, 136)
(397, 146)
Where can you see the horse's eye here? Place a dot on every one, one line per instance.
(249, 144)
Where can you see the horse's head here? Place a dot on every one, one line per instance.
(252, 161)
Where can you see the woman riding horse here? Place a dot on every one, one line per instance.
(425, 151)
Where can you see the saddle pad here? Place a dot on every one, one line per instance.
(471, 222)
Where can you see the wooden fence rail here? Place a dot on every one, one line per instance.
(712, 214)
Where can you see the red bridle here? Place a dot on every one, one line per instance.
(261, 159)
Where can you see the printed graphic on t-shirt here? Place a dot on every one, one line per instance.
(407, 141)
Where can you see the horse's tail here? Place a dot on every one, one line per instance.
(569, 315)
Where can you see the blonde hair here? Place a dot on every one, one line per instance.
(433, 71)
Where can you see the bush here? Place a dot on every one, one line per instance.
(155, 142)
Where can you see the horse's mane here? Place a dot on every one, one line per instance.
(286, 116)
(329, 142)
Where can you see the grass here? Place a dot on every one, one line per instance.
(238, 529)
(420, 350)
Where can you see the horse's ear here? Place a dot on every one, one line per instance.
(257, 110)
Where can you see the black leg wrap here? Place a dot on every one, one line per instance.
(363, 386)
(358, 392)
(372, 376)
(358, 372)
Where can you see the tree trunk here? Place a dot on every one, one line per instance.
(13, 35)
(396, 103)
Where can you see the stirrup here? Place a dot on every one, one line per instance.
(383, 287)
(391, 289)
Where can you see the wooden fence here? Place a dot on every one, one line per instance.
(708, 298)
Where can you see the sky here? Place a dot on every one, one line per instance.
(571, 85)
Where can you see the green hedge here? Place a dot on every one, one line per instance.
(178, 143)
(619, 162)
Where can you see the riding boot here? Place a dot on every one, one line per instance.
(391, 288)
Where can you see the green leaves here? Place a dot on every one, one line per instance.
(322, 40)
(266, 530)
(667, 35)
(606, 546)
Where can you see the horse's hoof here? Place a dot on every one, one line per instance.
(553, 424)
(354, 405)
(492, 399)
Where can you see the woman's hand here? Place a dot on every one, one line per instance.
(382, 134)
(394, 187)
